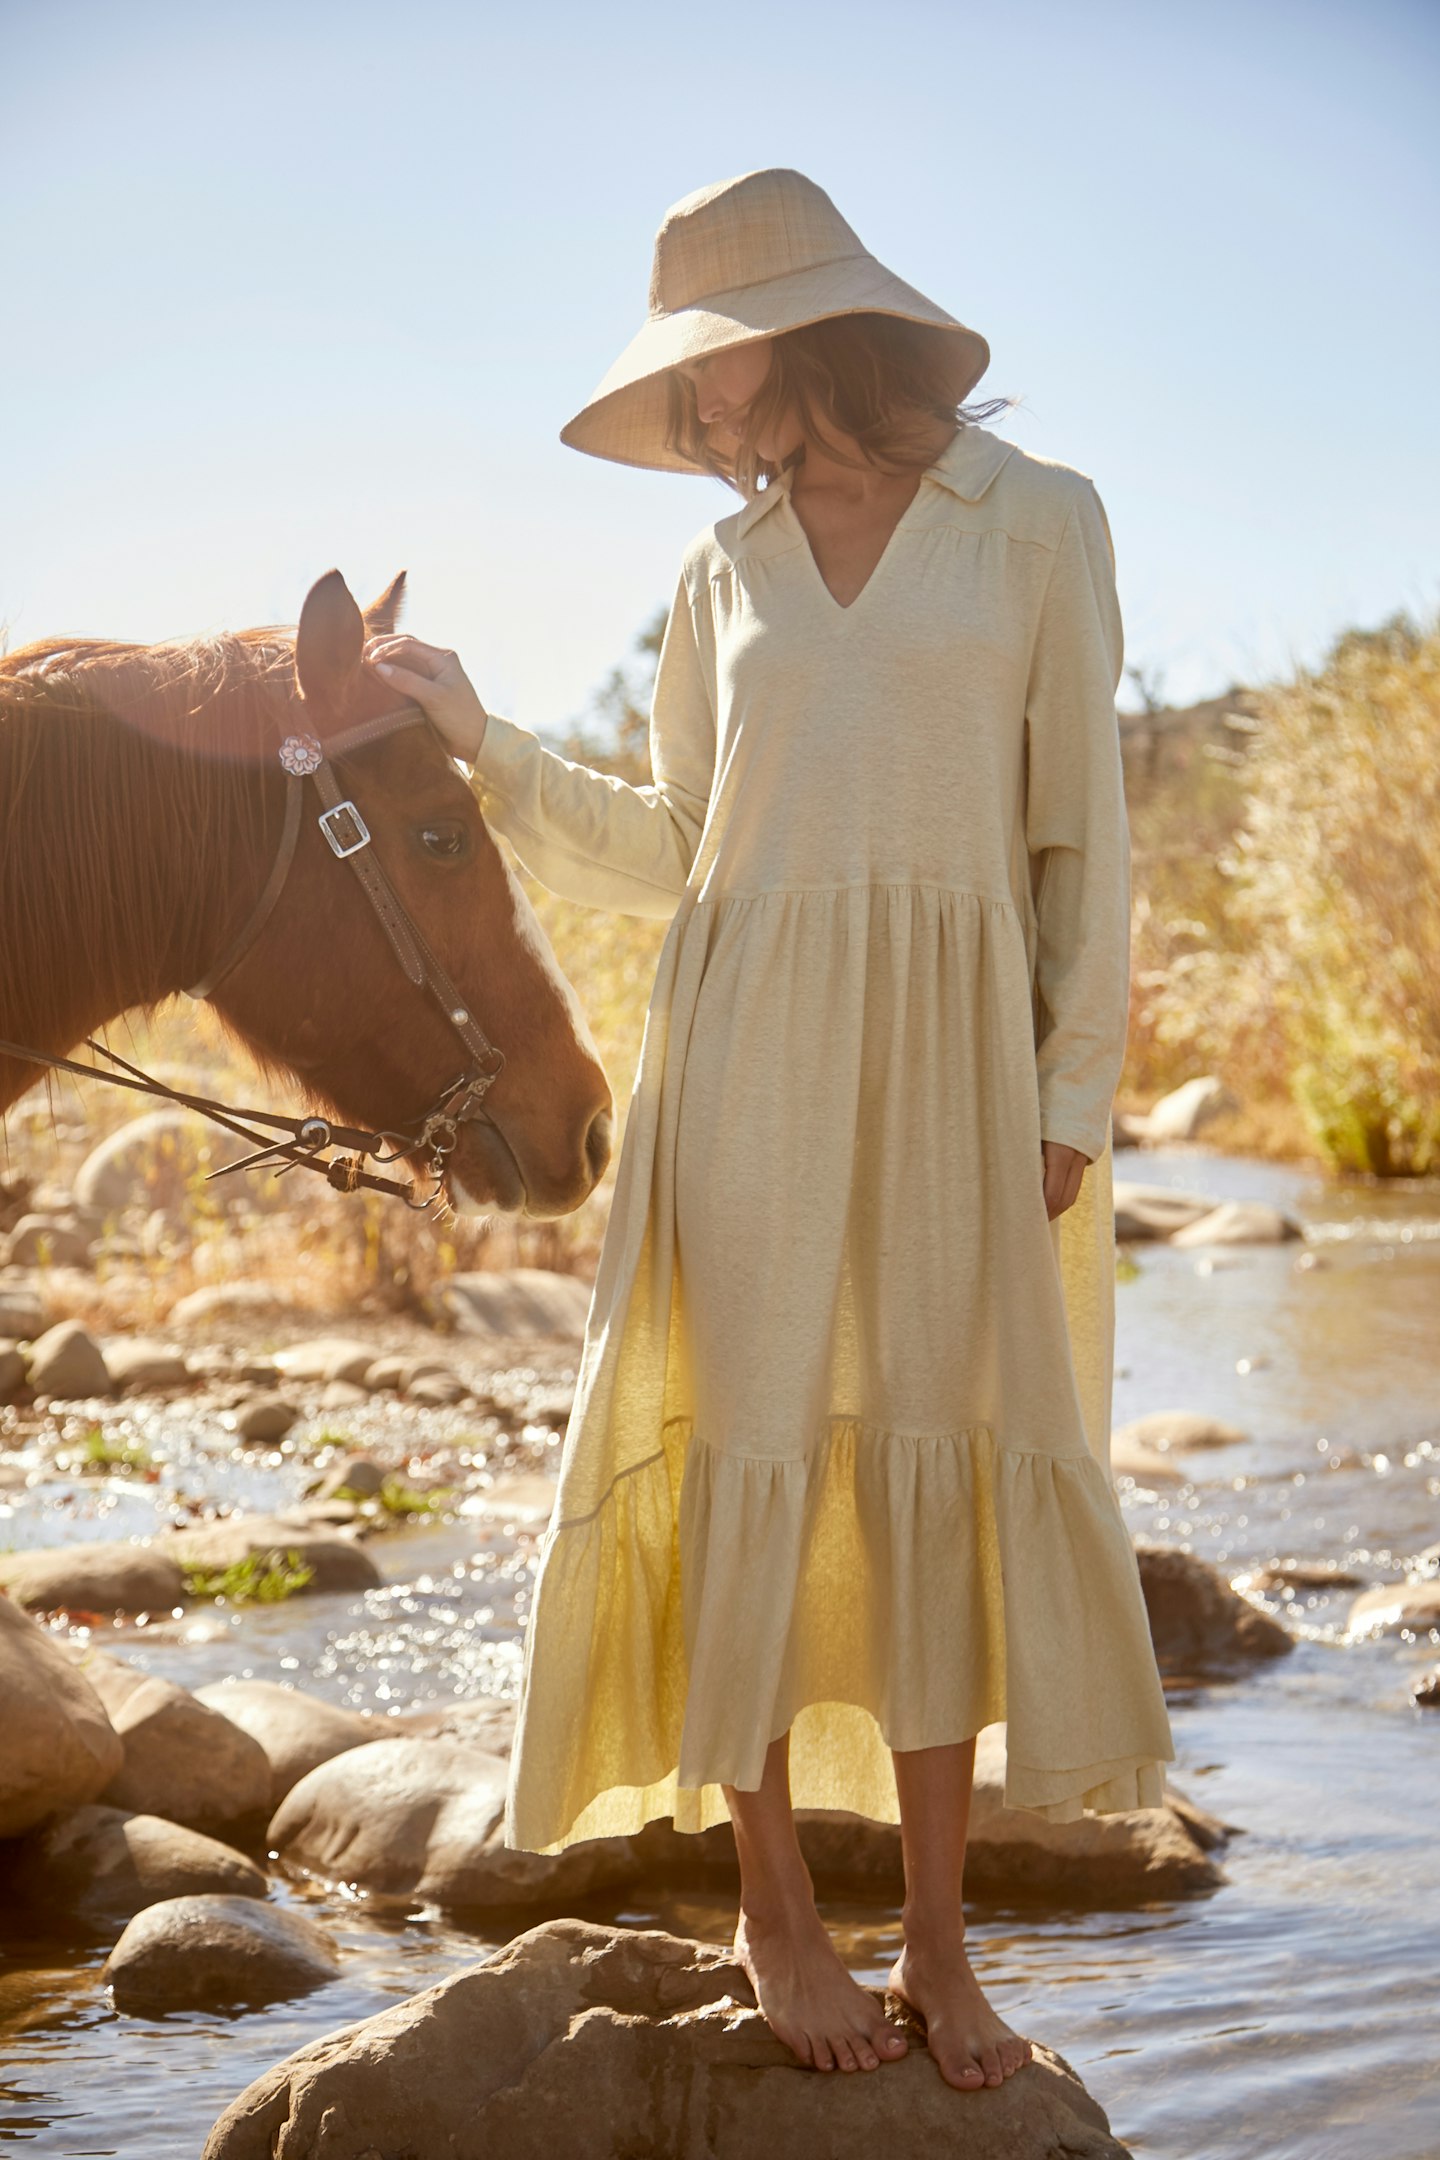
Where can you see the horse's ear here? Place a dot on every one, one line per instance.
(328, 644)
(382, 615)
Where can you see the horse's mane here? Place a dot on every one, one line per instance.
(130, 802)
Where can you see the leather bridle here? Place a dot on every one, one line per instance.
(304, 757)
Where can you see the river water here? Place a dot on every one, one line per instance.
(1290, 2014)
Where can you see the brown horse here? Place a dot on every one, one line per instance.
(141, 807)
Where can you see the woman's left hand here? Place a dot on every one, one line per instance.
(1064, 1168)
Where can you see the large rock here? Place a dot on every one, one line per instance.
(261, 1420)
(155, 1161)
(108, 1577)
(521, 1302)
(1177, 1430)
(233, 1300)
(43, 1241)
(1197, 1621)
(422, 1819)
(338, 1562)
(59, 1746)
(1156, 1211)
(426, 1823)
(216, 1952)
(330, 1357)
(66, 1361)
(298, 1732)
(183, 1760)
(1182, 1113)
(136, 1363)
(105, 1863)
(578, 2040)
(13, 1375)
(1414, 1604)
(22, 1313)
(1240, 1222)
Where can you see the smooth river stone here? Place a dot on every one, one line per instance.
(109, 1577)
(1197, 1621)
(1388, 1606)
(214, 1952)
(583, 2039)
(182, 1760)
(59, 1746)
(338, 1561)
(298, 1732)
(105, 1863)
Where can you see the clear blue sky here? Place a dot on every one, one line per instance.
(293, 286)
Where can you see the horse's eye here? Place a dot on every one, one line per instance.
(447, 842)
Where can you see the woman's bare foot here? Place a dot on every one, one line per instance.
(972, 2045)
(808, 1999)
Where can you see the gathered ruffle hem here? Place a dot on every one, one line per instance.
(934, 1584)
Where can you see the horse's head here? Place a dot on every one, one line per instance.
(322, 993)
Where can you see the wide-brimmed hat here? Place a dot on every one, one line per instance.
(747, 258)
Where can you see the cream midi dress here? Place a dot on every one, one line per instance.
(838, 1462)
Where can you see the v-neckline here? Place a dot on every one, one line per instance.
(845, 609)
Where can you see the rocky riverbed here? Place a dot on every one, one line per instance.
(268, 1576)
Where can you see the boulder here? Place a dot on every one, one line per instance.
(59, 1747)
(353, 1474)
(134, 1363)
(155, 1161)
(426, 1824)
(298, 1732)
(1391, 1606)
(1240, 1222)
(105, 1863)
(437, 1390)
(572, 2027)
(67, 1361)
(262, 1419)
(1156, 1211)
(1177, 1430)
(1197, 1621)
(22, 1313)
(421, 1819)
(182, 1759)
(1425, 1691)
(1182, 1113)
(216, 1952)
(42, 1241)
(339, 1563)
(524, 1502)
(13, 1375)
(235, 1299)
(110, 1576)
(328, 1358)
(518, 1303)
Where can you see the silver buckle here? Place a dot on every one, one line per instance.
(359, 829)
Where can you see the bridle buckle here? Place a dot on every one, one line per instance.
(357, 837)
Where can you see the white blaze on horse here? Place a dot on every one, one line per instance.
(251, 819)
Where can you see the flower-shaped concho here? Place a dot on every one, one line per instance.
(301, 754)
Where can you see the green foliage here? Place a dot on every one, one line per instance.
(258, 1579)
(395, 1497)
(1311, 954)
(99, 1452)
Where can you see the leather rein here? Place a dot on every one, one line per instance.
(304, 757)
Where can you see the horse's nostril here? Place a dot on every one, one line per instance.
(598, 1142)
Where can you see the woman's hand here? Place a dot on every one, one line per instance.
(436, 681)
(1064, 1168)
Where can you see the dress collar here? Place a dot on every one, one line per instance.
(967, 465)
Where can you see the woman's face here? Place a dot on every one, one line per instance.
(725, 382)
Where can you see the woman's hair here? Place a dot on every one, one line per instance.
(879, 378)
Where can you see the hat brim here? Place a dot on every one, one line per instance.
(627, 417)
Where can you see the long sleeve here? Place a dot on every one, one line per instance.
(592, 836)
(1078, 835)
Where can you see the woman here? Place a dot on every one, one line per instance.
(835, 1491)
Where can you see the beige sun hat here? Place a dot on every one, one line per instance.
(746, 258)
